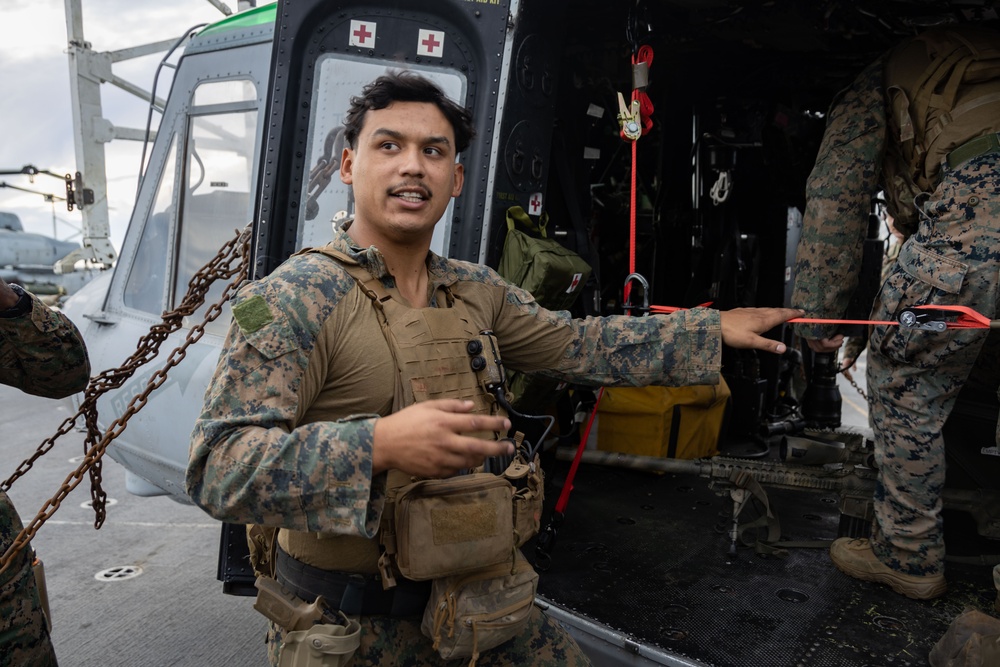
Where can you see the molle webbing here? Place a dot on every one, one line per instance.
(430, 346)
(943, 89)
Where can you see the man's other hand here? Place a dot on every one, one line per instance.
(427, 439)
(741, 327)
(8, 297)
(824, 345)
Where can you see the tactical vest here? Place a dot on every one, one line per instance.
(943, 89)
(440, 353)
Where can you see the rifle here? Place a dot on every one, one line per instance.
(840, 462)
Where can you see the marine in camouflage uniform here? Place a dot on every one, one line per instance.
(41, 353)
(289, 435)
(914, 376)
(261, 455)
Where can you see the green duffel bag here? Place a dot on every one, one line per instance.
(553, 274)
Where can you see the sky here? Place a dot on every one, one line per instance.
(36, 119)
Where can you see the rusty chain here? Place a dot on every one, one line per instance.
(850, 378)
(231, 263)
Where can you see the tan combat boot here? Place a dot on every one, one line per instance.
(855, 558)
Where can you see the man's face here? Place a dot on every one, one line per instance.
(403, 172)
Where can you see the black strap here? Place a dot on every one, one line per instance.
(675, 431)
(352, 593)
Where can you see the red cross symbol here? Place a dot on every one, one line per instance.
(362, 33)
(535, 203)
(577, 277)
(430, 43)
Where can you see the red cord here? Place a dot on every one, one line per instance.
(644, 56)
(571, 475)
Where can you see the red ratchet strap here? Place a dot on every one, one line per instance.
(568, 484)
(644, 57)
(965, 317)
(644, 108)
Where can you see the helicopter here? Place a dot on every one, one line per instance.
(250, 136)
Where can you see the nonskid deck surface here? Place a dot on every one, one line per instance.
(648, 555)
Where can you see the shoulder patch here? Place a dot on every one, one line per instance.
(252, 314)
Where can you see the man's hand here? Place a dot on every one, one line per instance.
(823, 345)
(741, 327)
(8, 297)
(426, 439)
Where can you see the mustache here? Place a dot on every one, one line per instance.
(410, 186)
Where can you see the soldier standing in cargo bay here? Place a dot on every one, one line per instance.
(326, 404)
(41, 353)
(920, 123)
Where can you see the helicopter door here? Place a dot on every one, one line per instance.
(488, 56)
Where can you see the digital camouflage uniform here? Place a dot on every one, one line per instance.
(41, 353)
(950, 259)
(285, 438)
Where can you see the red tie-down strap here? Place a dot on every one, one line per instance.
(951, 317)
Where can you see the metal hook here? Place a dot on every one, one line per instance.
(644, 309)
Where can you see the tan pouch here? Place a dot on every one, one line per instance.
(43, 590)
(263, 543)
(322, 645)
(476, 612)
(446, 527)
(529, 493)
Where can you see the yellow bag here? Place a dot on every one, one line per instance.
(673, 422)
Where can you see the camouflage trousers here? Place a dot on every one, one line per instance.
(388, 641)
(914, 376)
(24, 635)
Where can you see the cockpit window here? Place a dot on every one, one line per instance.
(145, 287)
(323, 195)
(224, 92)
(218, 174)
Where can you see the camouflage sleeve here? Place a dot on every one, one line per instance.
(250, 462)
(838, 196)
(680, 349)
(42, 353)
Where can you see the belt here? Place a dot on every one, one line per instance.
(352, 593)
(974, 148)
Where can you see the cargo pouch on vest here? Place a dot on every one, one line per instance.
(529, 494)
(444, 527)
(468, 614)
(262, 542)
(552, 273)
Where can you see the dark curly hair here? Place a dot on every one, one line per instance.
(406, 86)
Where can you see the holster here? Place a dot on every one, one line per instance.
(322, 645)
(314, 636)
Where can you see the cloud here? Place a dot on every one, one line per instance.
(35, 108)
